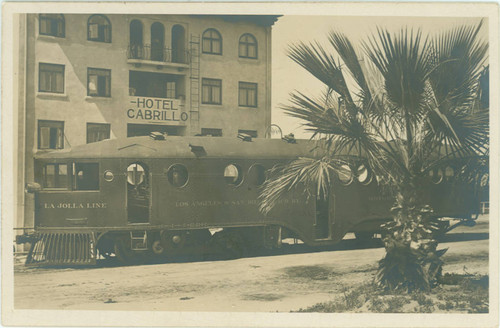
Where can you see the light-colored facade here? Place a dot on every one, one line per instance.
(84, 78)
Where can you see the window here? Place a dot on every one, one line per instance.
(232, 175)
(98, 82)
(436, 176)
(51, 78)
(99, 29)
(158, 51)
(177, 175)
(256, 175)
(247, 94)
(363, 174)
(51, 24)
(108, 176)
(211, 91)
(158, 85)
(55, 176)
(135, 174)
(86, 176)
(211, 132)
(97, 132)
(212, 42)
(50, 134)
(136, 45)
(251, 133)
(171, 93)
(247, 46)
(345, 174)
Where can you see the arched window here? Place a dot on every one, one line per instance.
(51, 24)
(157, 42)
(178, 41)
(212, 42)
(136, 37)
(136, 174)
(248, 46)
(99, 29)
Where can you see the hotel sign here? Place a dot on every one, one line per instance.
(156, 110)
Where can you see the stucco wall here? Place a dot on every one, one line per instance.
(74, 51)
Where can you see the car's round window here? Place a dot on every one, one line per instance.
(108, 176)
(135, 174)
(345, 174)
(364, 175)
(178, 175)
(232, 174)
(256, 175)
(437, 176)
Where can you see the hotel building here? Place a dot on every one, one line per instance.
(83, 78)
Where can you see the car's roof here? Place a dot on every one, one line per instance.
(185, 147)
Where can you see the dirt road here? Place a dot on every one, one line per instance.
(287, 281)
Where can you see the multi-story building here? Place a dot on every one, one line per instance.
(84, 78)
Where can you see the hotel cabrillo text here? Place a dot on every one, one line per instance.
(156, 109)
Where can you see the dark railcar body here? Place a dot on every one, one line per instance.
(126, 189)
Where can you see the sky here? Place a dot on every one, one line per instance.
(288, 76)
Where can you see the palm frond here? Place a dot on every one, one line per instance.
(458, 58)
(318, 62)
(333, 121)
(403, 61)
(314, 175)
(346, 51)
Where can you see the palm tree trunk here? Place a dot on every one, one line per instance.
(411, 261)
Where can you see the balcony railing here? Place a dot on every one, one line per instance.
(164, 55)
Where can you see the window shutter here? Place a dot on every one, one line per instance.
(215, 94)
(44, 137)
(216, 48)
(251, 97)
(92, 85)
(101, 85)
(252, 53)
(206, 94)
(60, 141)
(59, 81)
(242, 52)
(60, 28)
(93, 31)
(44, 26)
(171, 90)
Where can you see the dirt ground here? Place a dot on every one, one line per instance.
(288, 280)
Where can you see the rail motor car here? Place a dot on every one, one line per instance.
(160, 196)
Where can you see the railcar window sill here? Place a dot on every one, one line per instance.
(67, 190)
(54, 189)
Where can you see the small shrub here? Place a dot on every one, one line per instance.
(376, 305)
(395, 304)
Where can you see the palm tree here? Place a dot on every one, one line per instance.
(405, 104)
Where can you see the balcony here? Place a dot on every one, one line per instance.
(145, 54)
